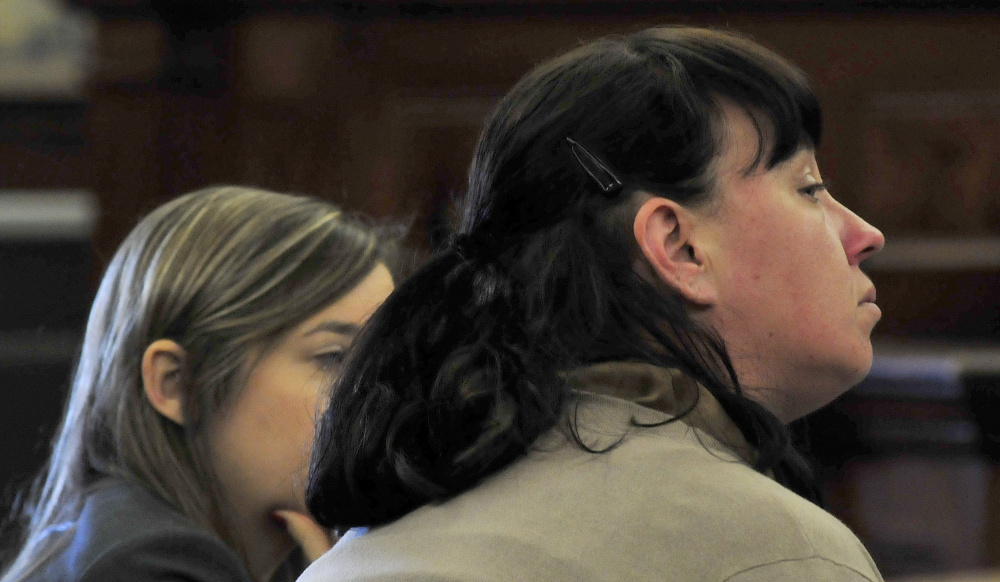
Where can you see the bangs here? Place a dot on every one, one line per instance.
(779, 135)
(777, 98)
(785, 123)
(775, 94)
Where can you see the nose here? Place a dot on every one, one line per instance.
(861, 240)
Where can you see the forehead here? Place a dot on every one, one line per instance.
(739, 140)
(741, 152)
(355, 306)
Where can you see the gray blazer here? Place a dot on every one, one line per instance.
(127, 534)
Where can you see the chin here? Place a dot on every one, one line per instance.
(824, 395)
(811, 407)
(866, 364)
(856, 369)
(852, 380)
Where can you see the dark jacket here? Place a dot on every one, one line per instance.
(126, 533)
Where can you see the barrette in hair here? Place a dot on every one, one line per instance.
(598, 171)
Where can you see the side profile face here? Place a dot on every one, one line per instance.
(260, 445)
(792, 304)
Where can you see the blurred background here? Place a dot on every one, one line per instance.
(110, 107)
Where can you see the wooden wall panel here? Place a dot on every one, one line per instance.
(42, 144)
(379, 112)
(933, 159)
(123, 130)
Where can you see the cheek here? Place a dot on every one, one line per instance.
(743, 257)
(794, 277)
(291, 413)
(302, 421)
(278, 412)
(814, 259)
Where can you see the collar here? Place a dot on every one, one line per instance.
(665, 391)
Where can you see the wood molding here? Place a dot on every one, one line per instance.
(437, 8)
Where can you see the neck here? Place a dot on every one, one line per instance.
(264, 544)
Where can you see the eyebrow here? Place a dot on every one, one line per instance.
(341, 327)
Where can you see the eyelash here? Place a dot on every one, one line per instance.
(813, 189)
(330, 360)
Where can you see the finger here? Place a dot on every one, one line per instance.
(315, 540)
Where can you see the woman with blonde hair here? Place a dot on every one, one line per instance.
(186, 434)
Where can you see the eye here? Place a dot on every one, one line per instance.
(330, 359)
(813, 189)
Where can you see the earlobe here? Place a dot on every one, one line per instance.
(664, 231)
(164, 366)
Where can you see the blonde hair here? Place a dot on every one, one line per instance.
(221, 271)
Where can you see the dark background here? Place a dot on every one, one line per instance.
(376, 105)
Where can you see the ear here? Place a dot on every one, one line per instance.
(665, 233)
(163, 378)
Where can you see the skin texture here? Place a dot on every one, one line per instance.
(773, 266)
(793, 306)
(260, 446)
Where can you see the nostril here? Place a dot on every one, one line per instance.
(869, 250)
(876, 243)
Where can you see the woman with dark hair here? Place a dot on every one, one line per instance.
(183, 450)
(593, 381)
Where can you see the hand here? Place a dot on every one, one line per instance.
(315, 540)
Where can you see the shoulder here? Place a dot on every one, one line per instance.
(706, 498)
(127, 533)
(563, 513)
(388, 554)
(792, 538)
(166, 555)
(815, 569)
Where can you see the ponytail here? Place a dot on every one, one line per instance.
(457, 374)
(442, 388)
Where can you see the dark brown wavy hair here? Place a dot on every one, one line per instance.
(457, 374)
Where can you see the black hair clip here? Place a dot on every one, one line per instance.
(598, 171)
